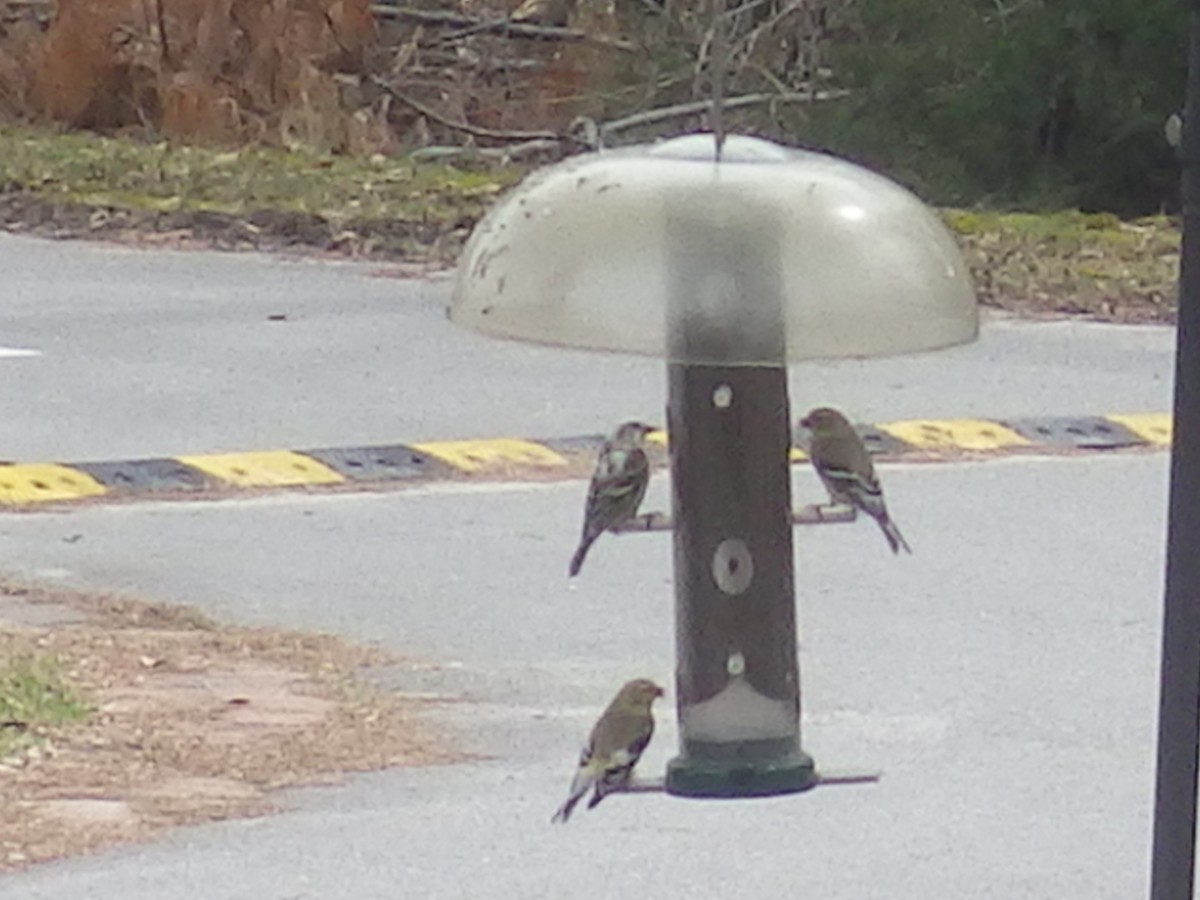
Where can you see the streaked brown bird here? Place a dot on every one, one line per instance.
(617, 488)
(845, 468)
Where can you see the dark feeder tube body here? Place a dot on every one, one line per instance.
(737, 676)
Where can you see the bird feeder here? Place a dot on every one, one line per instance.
(728, 269)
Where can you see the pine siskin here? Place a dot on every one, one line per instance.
(618, 486)
(845, 467)
(615, 745)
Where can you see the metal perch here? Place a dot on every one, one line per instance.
(657, 785)
(813, 514)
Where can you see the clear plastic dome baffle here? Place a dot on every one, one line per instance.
(580, 255)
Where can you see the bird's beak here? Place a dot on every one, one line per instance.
(804, 423)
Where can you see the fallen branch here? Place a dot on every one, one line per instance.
(427, 16)
(536, 141)
(464, 127)
(502, 154)
(471, 26)
(651, 116)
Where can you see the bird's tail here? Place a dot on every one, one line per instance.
(579, 786)
(580, 555)
(894, 538)
(564, 811)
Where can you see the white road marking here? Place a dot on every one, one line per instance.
(7, 352)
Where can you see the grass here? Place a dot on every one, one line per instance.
(1072, 263)
(422, 200)
(110, 171)
(34, 695)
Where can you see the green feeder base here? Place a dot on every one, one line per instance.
(691, 776)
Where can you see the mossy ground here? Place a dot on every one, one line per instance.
(35, 696)
(1072, 263)
(80, 185)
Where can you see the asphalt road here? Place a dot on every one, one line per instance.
(1003, 678)
(143, 354)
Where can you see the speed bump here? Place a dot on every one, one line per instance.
(266, 468)
(517, 458)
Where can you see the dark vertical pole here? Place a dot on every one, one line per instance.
(737, 677)
(1173, 863)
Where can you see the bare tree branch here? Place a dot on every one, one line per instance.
(747, 41)
(651, 116)
(464, 127)
(162, 35)
(471, 26)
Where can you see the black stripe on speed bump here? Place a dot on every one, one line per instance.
(146, 475)
(390, 463)
(1073, 431)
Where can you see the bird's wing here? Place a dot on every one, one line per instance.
(848, 480)
(620, 763)
(619, 464)
(636, 473)
(617, 488)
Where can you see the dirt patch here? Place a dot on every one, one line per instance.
(190, 722)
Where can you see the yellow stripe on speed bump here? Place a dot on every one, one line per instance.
(475, 456)
(955, 434)
(1152, 427)
(270, 468)
(37, 482)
